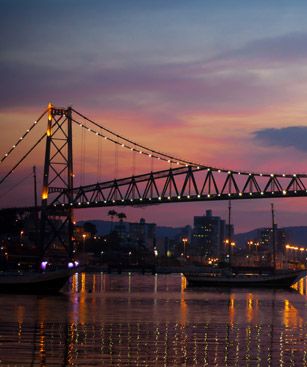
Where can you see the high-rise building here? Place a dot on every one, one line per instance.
(143, 233)
(208, 236)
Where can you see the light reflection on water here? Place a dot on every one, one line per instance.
(145, 320)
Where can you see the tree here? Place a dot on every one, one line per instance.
(112, 213)
(121, 216)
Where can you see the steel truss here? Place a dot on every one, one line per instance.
(184, 184)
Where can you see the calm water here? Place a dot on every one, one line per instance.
(146, 320)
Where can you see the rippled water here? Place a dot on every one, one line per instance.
(146, 320)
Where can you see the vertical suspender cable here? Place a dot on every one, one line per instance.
(115, 160)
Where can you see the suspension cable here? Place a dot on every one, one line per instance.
(23, 158)
(163, 156)
(160, 155)
(16, 185)
(23, 136)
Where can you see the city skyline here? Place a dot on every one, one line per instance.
(217, 84)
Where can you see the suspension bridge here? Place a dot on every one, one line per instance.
(181, 181)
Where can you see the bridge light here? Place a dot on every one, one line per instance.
(140, 152)
(179, 197)
(294, 175)
(283, 175)
(198, 196)
(45, 194)
(159, 197)
(88, 129)
(284, 192)
(198, 167)
(260, 174)
(188, 196)
(219, 171)
(249, 174)
(178, 163)
(229, 172)
(208, 195)
(97, 134)
(79, 203)
(273, 192)
(123, 200)
(105, 201)
(141, 199)
(169, 198)
(240, 193)
(208, 169)
(229, 194)
(239, 173)
(187, 165)
(130, 200)
(35, 122)
(88, 203)
(149, 198)
(262, 193)
(149, 155)
(250, 193)
(123, 145)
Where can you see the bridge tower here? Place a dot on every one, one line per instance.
(56, 224)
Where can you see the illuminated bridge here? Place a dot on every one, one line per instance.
(181, 181)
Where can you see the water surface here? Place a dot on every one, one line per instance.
(153, 320)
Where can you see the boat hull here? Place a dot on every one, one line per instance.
(35, 283)
(282, 280)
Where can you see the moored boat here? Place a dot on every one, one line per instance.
(222, 278)
(34, 282)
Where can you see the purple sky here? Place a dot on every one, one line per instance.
(223, 83)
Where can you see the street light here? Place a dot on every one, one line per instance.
(185, 242)
(84, 237)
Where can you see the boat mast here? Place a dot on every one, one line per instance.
(35, 206)
(229, 233)
(273, 237)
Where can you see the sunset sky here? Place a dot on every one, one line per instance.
(223, 83)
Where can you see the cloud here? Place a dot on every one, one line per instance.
(292, 136)
(161, 89)
(266, 52)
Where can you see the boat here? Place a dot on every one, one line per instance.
(47, 282)
(225, 278)
(229, 276)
